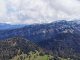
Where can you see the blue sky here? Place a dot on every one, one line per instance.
(38, 11)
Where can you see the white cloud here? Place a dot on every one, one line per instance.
(2, 8)
(38, 11)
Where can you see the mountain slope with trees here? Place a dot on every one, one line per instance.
(13, 46)
(60, 38)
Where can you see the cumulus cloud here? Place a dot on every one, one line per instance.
(38, 11)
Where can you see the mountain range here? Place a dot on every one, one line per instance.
(4, 26)
(60, 38)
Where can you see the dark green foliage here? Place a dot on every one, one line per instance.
(36, 56)
(32, 56)
(13, 46)
(20, 49)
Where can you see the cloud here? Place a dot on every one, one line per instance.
(38, 11)
(2, 8)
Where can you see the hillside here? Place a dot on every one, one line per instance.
(4, 26)
(18, 48)
(13, 46)
(61, 38)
